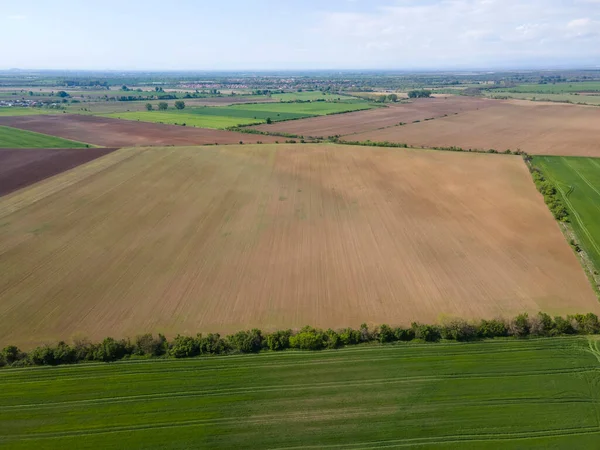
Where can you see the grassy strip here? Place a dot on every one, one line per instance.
(308, 338)
(550, 192)
(17, 138)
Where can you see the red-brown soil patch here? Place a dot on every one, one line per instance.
(126, 133)
(356, 122)
(21, 167)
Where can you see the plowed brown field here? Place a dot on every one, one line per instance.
(122, 133)
(20, 167)
(539, 129)
(183, 240)
(356, 122)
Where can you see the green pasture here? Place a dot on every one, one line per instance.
(16, 138)
(578, 181)
(535, 394)
(311, 95)
(310, 108)
(558, 88)
(239, 111)
(174, 117)
(26, 111)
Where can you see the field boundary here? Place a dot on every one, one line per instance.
(308, 338)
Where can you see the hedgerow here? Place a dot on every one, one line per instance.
(308, 338)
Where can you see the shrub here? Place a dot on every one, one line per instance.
(563, 326)
(404, 334)
(492, 328)
(147, 344)
(386, 334)
(459, 330)
(212, 344)
(348, 336)
(112, 350)
(52, 356)
(11, 354)
(179, 104)
(519, 326)
(428, 333)
(585, 323)
(542, 325)
(308, 339)
(279, 340)
(184, 347)
(84, 350)
(246, 341)
(332, 339)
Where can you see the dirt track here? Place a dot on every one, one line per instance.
(126, 133)
(21, 167)
(537, 128)
(187, 240)
(356, 122)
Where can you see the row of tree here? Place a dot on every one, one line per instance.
(163, 106)
(549, 191)
(308, 338)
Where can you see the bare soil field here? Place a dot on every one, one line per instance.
(122, 133)
(537, 128)
(21, 167)
(361, 121)
(186, 240)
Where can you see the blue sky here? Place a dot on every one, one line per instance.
(298, 34)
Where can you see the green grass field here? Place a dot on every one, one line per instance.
(178, 118)
(311, 95)
(579, 182)
(15, 138)
(558, 88)
(496, 394)
(312, 108)
(26, 111)
(226, 111)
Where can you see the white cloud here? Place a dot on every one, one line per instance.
(466, 32)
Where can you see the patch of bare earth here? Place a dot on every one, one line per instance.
(393, 114)
(20, 167)
(187, 240)
(536, 128)
(123, 133)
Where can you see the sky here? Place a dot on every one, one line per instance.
(299, 34)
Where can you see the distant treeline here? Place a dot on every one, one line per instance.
(308, 338)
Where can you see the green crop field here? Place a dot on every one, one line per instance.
(311, 95)
(558, 88)
(15, 138)
(227, 111)
(578, 180)
(311, 108)
(26, 111)
(178, 118)
(533, 394)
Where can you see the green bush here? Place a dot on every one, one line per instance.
(148, 345)
(246, 341)
(279, 340)
(386, 334)
(308, 339)
(492, 328)
(212, 344)
(459, 330)
(112, 350)
(428, 333)
(348, 336)
(184, 347)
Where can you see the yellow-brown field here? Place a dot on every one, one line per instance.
(534, 127)
(186, 240)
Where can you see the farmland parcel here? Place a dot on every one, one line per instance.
(121, 133)
(182, 240)
(534, 394)
(540, 129)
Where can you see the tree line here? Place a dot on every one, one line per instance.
(308, 338)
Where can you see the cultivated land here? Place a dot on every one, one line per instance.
(578, 181)
(226, 238)
(15, 138)
(534, 394)
(22, 167)
(392, 114)
(119, 133)
(177, 118)
(546, 129)
(567, 97)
